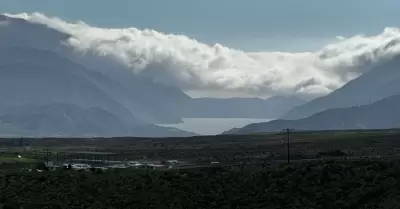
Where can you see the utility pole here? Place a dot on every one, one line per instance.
(288, 130)
(47, 156)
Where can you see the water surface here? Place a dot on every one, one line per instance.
(213, 126)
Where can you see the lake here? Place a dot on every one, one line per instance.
(213, 126)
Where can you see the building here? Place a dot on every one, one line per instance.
(80, 166)
(172, 162)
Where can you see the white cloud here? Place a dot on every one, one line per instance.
(194, 66)
(340, 38)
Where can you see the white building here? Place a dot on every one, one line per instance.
(80, 166)
(173, 161)
(117, 166)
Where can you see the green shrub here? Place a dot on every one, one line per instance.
(347, 184)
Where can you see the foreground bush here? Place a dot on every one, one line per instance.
(319, 185)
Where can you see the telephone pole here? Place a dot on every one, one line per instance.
(47, 157)
(288, 130)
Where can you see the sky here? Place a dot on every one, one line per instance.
(225, 48)
(253, 25)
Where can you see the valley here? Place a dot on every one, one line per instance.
(49, 89)
(257, 149)
(199, 105)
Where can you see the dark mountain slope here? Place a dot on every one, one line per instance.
(155, 103)
(30, 76)
(64, 120)
(380, 82)
(67, 120)
(384, 114)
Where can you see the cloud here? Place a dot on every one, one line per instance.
(341, 38)
(194, 66)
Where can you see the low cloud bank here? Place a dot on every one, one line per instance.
(194, 66)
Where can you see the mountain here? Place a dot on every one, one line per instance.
(64, 120)
(273, 107)
(148, 101)
(380, 82)
(67, 120)
(383, 114)
(69, 93)
(30, 76)
(44, 94)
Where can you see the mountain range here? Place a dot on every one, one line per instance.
(370, 101)
(383, 114)
(382, 81)
(50, 89)
(66, 120)
(68, 93)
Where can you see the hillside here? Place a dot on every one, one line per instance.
(44, 94)
(64, 120)
(30, 76)
(148, 101)
(381, 81)
(67, 120)
(383, 114)
(134, 95)
(273, 107)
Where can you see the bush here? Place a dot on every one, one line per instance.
(99, 171)
(42, 166)
(347, 184)
(333, 153)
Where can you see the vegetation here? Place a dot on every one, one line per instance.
(333, 153)
(16, 160)
(345, 183)
(348, 184)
